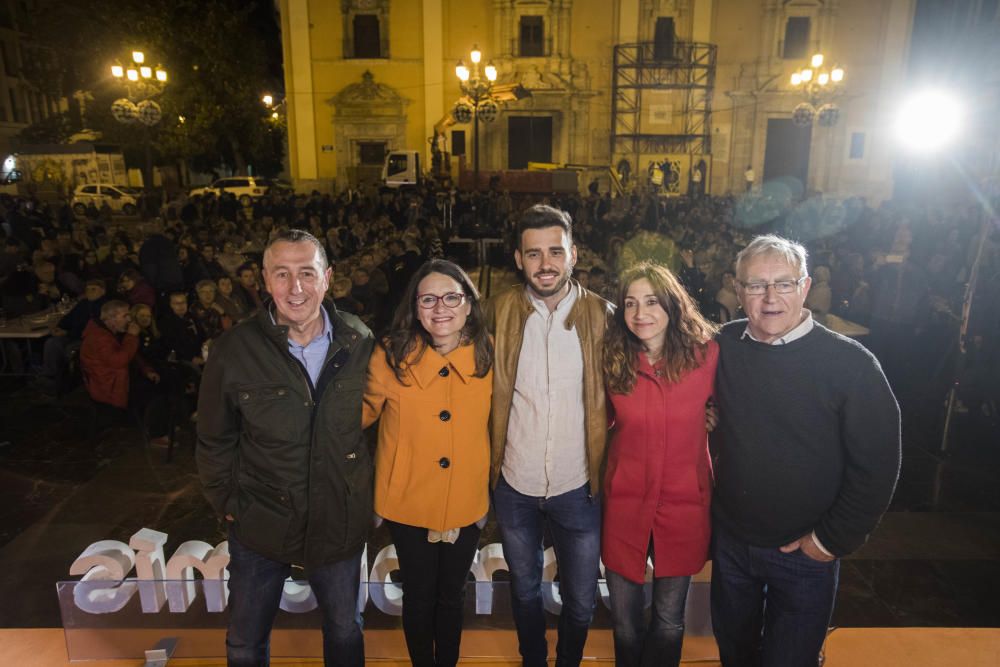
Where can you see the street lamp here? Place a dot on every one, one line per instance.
(820, 87)
(478, 100)
(142, 83)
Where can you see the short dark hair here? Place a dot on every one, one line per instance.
(541, 216)
(299, 236)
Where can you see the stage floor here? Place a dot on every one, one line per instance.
(846, 647)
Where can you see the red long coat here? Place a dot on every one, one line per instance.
(104, 362)
(659, 476)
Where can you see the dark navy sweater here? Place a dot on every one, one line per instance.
(809, 439)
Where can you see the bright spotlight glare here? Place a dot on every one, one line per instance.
(928, 121)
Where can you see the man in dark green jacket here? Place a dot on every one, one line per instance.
(282, 457)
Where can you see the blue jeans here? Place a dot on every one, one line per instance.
(769, 608)
(255, 585)
(658, 642)
(574, 522)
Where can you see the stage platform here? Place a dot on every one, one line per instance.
(846, 647)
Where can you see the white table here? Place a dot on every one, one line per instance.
(28, 328)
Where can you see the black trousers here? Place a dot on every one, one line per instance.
(434, 580)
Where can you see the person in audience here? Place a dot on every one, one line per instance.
(659, 366)
(109, 350)
(135, 289)
(248, 288)
(214, 269)
(117, 262)
(207, 314)
(180, 333)
(151, 345)
(432, 469)
(68, 333)
(232, 306)
(820, 298)
(340, 291)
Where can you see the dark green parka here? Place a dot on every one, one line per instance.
(287, 459)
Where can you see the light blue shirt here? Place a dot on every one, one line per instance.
(313, 354)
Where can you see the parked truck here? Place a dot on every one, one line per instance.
(55, 170)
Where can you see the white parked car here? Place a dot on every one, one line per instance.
(246, 188)
(121, 198)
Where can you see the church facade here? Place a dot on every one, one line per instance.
(687, 84)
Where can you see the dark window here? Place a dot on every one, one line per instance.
(796, 37)
(663, 44)
(16, 110)
(9, 64)
(529, 140)
(372, 152)
(367, 43)
(398, 164)
(532, 37)
(89, 190)
(458, 142)
(857, 145)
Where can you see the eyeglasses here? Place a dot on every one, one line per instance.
(450, 300)
(780, 286)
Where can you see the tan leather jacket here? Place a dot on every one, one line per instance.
(506, 315)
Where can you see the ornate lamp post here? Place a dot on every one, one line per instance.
(478, 100)
(142, 82)
(820, 86)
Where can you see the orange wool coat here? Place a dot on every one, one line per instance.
(432, 462)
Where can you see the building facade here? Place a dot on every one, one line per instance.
(21, 102)
(613, 83)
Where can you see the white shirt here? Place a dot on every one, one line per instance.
(800, 330)
(546, 452)
(804, 327)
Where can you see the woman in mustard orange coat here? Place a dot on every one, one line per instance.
(431, 383)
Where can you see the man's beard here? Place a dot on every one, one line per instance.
(555, 289)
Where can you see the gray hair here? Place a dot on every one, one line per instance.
(111, 307)
(298, 236)
(771, 244)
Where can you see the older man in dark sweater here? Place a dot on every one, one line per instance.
(806, 459)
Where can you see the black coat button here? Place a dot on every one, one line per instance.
(444, 462)
(444, 415)
(444, 372)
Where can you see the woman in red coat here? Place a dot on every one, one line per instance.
(659, 364)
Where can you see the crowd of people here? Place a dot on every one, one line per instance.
(352, 317)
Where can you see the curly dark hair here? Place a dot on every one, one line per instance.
(407, 334)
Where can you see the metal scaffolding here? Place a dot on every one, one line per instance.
(690, 70)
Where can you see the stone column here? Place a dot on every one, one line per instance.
(300, 95)
(433, 70)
